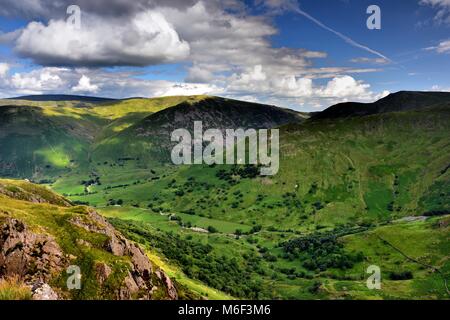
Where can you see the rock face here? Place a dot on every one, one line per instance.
(171, 290)
(37, 258)
(32, 257)
(139, 279)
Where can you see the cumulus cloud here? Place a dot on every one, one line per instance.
(84, 85)
(343, 87)
(147, 39)
(226, 51)
(340, 88)
(37, 81)
(51, 80)
(256, 80)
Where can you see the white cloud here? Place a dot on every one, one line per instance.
(185, 89)
(51, 80)
(343, 87)
(37, 81)
(84, 85)
(257, 81)
(4, 69)
(229, 52)
(254, 84)
(443, 47)
(146, 39)
(440, 88)
(369, 60)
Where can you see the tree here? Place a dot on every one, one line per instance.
(211, 229)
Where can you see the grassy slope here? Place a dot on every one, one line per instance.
(149, 138)
(52, 217)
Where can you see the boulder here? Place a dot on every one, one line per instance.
(33, 257)
(42, 291)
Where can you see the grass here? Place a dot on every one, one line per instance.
(14, 289)
(194, 286)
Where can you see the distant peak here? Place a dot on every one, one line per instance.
(394, 102)
(62, 97)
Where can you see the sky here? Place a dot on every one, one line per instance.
(305, 55)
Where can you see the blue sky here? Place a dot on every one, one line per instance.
(260, 50)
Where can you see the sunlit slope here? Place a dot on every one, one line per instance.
(42, 139)
(125, 113)
(35, 142)
(150, 138)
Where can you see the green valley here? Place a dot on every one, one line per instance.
(358, 185)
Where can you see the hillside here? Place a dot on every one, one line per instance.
(42, 235)
(40, 140)
(149, 138)
(34, 140)
(356, 187)
(345, 171)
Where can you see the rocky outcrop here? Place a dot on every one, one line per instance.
(102, 271)
(37, 258)
(30, 256)
(33, 258)
(139, 279)
(171, 290)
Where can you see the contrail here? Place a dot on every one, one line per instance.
(340, 35)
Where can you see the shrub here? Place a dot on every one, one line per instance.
(211, 229)
(404, 275)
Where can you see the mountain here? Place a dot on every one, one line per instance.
(42, 236)
(42, 139)
(150, 137)
(63, 97)
(400, 101)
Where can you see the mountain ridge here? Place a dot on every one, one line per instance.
(63, 97)
(395, 102)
